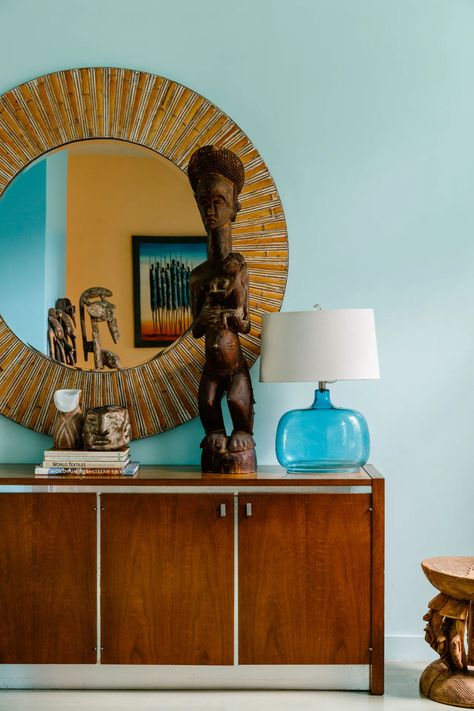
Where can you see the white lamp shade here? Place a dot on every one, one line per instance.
(316, 346)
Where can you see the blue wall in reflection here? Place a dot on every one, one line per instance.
(32, 248)
(55, 229)
(22, 266)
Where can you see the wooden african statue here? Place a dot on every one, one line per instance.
(220, 309)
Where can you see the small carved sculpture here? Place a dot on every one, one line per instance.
(220, 308)
(450, 679)
(67, 428)
(106, 428)
(61, 332)
(94, 301)
(446, 629)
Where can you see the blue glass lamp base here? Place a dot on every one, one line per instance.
(322, 467)
(322, 438)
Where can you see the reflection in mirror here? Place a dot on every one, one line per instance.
(66, 225)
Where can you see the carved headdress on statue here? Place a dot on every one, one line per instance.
(212, 160)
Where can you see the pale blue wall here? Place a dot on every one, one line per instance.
(364, 113)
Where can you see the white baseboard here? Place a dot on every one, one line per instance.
(90, 676)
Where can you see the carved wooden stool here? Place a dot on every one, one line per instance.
(450, 679)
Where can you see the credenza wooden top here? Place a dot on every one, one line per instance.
(151, 475)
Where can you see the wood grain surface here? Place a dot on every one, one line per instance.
(167, 579)
(377, 655)
(48, 578)
(188, 475)
(304, 579)
(310, 573)
(445, 685)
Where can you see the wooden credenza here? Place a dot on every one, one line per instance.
(179, 568)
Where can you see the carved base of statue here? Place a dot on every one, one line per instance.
(225, 462)
(440, 683)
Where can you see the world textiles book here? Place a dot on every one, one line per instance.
(130, 470)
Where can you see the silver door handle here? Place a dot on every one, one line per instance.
(248, 509)
(222, 510)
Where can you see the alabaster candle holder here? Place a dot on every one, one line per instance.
(67, 428)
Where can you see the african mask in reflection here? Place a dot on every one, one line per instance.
(106, 428)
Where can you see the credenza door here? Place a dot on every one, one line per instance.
(48, 549)
(167, 572)
(304, 578)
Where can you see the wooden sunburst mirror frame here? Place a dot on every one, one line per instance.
(172, 120)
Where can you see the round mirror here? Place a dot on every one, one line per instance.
(164, 119)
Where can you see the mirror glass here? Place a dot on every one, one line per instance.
(66, 225)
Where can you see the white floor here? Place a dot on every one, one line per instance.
(401, 694)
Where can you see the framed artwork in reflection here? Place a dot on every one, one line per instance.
(161, 270)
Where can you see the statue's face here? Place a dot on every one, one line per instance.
(215, 200)
(106, 428)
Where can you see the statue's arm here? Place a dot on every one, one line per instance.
(242, 317)
(198, 327)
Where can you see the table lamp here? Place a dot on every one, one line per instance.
(320, 346)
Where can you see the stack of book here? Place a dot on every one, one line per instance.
(89, 463)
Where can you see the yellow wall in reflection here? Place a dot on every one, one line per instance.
(109, 199)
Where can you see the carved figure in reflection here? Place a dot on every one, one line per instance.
(94, 302)
(67, 428)
(62, 332)
(220, 308)
(106, 428)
